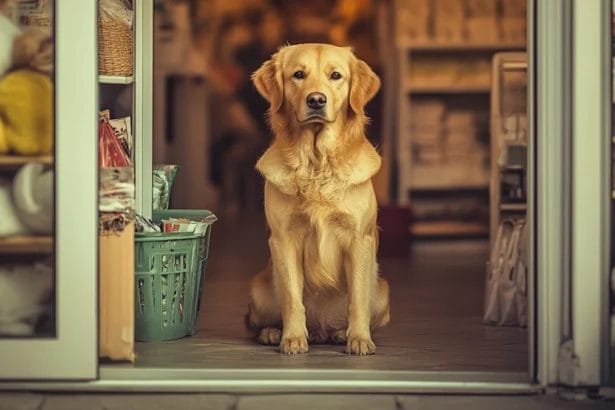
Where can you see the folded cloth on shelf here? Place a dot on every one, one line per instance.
(24, 292)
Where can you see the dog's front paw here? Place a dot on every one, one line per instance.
(294, 345)
(360, 346)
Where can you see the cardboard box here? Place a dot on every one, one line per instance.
(116, 297)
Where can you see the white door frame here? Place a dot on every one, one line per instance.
(572, 93)
(73, 353)
(591, 192)
(549, 109)
(143, 106)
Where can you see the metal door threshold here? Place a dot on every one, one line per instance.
(114, 378)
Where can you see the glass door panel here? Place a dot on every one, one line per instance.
(48, 190)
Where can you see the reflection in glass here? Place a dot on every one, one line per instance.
(27, 301)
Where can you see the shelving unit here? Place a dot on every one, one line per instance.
(127, 96)
(412, 179)
(24, 245)
(508, 98)
(444, 70)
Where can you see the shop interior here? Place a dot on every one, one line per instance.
(450, 123)
(436, 63)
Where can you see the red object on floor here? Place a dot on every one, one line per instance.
(394, 222)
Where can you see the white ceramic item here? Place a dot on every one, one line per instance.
(10, 224)
(33, 194)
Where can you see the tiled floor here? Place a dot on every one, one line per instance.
(437, 299)
(294, 402)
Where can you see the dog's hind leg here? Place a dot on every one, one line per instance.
(264, 316)
(317, 335)
(270, 336)
(339, 337)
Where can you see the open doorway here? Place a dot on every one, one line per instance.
(433, 123)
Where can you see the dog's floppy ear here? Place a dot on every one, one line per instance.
(364, 84)
(268, 81)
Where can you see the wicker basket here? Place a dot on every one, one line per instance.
(115, 48)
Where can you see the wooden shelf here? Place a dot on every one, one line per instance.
(461, 46)
(445, 186)
(110, 79)
(448, 229)
(448, 89)
(513, 207)
(422, 188)
(23, 244)
(16, 161)
(512, 168)
(448, 177)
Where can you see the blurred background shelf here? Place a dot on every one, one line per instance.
(448, 89)
(513, 207)
(460, 46)
(443, 228)
(26, 244)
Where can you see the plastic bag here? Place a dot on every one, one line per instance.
(162, 183)
(110, 150)
(506, 284)
(117, 10)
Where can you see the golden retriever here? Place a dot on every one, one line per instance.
(322, 282)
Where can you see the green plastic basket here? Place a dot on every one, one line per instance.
(169, 279)
(193, 215)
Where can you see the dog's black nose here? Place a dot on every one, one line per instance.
(316, 100)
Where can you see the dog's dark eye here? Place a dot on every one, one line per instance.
(336, 75)
(299, 74)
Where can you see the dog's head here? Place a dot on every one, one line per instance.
(316, 83)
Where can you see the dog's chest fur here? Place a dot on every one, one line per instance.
(317, 188)
(325, 224)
